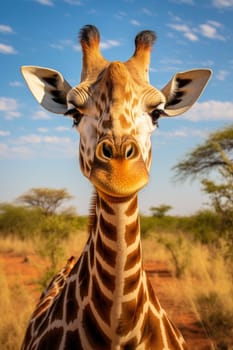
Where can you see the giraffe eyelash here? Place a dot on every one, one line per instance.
(77, 116)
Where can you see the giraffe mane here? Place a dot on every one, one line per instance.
(92, 212)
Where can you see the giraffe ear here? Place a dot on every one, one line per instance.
(184, 89)
(48, 87)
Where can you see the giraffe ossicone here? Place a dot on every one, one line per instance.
(104, 301)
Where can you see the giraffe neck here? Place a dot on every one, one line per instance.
(116, 274)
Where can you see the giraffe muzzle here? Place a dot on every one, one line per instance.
(118, 168)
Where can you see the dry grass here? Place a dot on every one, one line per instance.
(75, 243)
(153, 251)
(15, 306)
(13, 244)
(206, 286)
(208, 273)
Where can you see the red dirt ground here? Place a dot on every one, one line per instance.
(26, 270)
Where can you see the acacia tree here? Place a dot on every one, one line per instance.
(214, 155)
(47, 199)
(161, 210)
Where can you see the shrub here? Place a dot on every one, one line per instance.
(202, 225)
(217, 320)
(19, 221)
(178, 250)
(54, 229)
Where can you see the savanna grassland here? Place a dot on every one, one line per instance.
(189, 265)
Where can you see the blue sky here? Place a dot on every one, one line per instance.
(39, 149)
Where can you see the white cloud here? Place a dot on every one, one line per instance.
(120, 15)
(74, 2)
(7, 49)
(223, 3)
(210, 110)
(45, 2)
(146, 11)
(191, 36)
(62, 44)
(76, 47)
(43, 130)
(135, 23)
(6, 29)
(186, 2)
(209, 30)
(56, 140)
(7, 152)
(41, 115)
(188, 32)
(38, 139)
(16, 84)
(4, 133)
(222, 75)
(9, 107)
(62, 128)
(109, 44)
(179, 27)
(183, 133)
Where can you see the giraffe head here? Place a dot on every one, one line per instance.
(115, 109)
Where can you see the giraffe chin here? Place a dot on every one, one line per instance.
(120, 182)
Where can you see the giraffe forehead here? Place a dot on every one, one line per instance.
(117, 85)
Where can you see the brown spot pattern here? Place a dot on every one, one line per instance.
(51, 339)
(72, 341)
(95, 335)
(131, 282)
(106, 207)
(107, 254)
(133, 258)
(71, 303)
(84, 277)
(107, 279)
(131, 232)
(107, 228)
(102, 303)
(132, 207)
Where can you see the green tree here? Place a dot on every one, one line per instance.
(161, 210)
(47, 199)
(214, 155)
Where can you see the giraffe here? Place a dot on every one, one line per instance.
(104, 301)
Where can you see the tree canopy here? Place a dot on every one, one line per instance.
(215, 153)
(161, 210)
(47, 199)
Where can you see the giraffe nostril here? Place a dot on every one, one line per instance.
(129, 152)
(107, 150)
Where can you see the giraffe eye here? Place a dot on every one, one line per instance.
(155, 115)
(76, 115)
(76, 119)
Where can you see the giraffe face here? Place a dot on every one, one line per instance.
(115, 110)
(115, 125)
